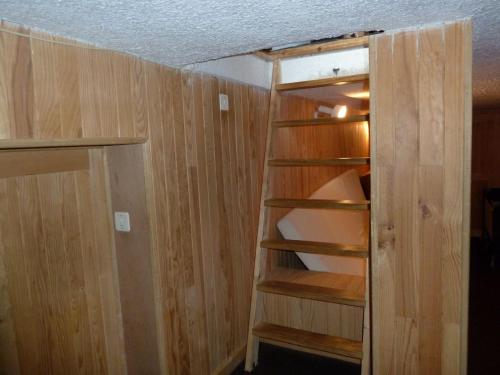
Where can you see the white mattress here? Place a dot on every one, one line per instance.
(335, 226)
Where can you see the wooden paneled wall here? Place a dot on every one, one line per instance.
(202, 171)
(51, 90)
(204, 175)
(133, 256)
(485, 160)
(421, 132)
(60, 307)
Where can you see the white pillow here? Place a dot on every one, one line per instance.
(334, 226)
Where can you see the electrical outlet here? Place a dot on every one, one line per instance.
(122, 221)
(223, 102)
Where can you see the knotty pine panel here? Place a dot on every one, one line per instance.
(61, 309)
(421, 134)
(56, 91)
(203, 179)
(202, 170)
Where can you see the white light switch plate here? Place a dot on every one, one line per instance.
(223, 102)
(122, 221)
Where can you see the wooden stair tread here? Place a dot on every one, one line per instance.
(321, 121)
(318, 204)
(320, 286)
(313, 247)
(331, 81)
(316, 341)
(319, 162)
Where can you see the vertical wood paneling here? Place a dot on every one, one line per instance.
(50, 90)
(47, 119)
(106, 262)
(62, 306)
(421, 85)
(134, 259)
(202, 171)
(16, 84)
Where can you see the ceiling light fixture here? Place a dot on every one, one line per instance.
(359, 95)
(339, 111)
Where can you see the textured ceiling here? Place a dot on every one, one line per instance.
(175, 32)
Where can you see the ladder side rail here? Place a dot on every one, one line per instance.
(252, 349)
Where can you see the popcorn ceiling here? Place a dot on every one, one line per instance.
(175, 32)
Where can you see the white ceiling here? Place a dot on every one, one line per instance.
(175, 32)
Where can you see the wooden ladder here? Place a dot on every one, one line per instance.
(319, 286)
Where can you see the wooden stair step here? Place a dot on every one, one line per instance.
(313, 247)
(317, 204)
(320, 286)
(331, 81)
(321, 121)
(275, 334)
(318, 162)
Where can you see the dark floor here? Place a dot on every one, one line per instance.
(280, 361)
(484, 331)
(484, 312)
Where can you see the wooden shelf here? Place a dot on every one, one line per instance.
(321, 121)
(318, 204)
(297, 339)
(318, 162)
(317, 247)
(320, 286)
(332, 81)
(6, 144)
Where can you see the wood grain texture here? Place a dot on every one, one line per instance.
(318, 203)
(53, 91)
(320, 121)
(420, 81)
(311, 49)
(16, 84)
(279, 334)
(33, 162)
(202, 170)
(200, 166)
(62, 303)
(321, 82)
(320, 286)
(317, 247)
(127, 190)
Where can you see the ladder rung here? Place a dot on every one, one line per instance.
(320, 286)
(321, 82)
(298, 338)
(321, 121)
(318, 203)
(317, 247)
(318, 162)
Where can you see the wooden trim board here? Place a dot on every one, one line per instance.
(6, 144)
(311, 49)
(33, 162)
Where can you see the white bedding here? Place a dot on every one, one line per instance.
(335, 226)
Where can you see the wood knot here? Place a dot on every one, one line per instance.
(426, 211)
